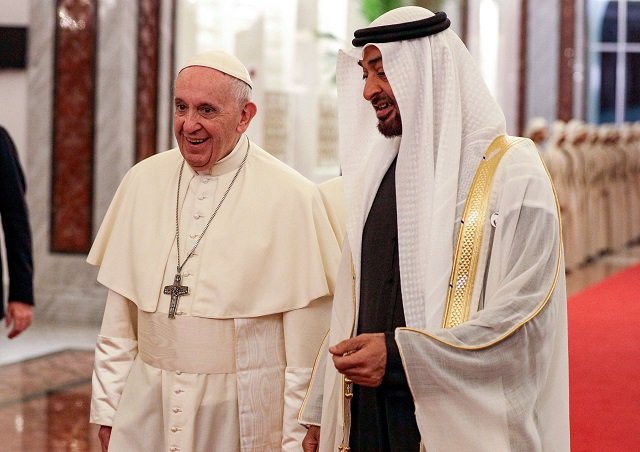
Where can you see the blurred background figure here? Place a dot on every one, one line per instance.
(538, 132)
(17, 240)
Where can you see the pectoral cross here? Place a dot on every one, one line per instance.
(176, 290)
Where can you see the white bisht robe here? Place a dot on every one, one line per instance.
(230, 371)
(498, 382)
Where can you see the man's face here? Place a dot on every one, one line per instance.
(377, 90)
(207, 120)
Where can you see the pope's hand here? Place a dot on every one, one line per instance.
(104, 434)
(362, 359)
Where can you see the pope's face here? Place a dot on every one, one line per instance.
(208, 120)
(377, 90)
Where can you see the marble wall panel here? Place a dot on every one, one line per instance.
(116, 94)
(62, 290)
(567, 58)
(542, 59)
(521, 99)
(166, 74)
(66, 287)
(73, 126)
(147, 78)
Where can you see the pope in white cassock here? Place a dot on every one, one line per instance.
(218, 259)
(448, 330)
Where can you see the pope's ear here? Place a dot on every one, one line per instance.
(248, 112)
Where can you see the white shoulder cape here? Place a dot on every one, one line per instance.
(270, 249)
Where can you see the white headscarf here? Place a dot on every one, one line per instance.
(449, 118)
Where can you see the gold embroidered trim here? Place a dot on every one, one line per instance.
(469, 241)
(347, 385)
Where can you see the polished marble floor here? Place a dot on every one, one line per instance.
(45, 387)
(44, 404)
(45, 376)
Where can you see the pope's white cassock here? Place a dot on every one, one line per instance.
(230, 371)
(497, 381)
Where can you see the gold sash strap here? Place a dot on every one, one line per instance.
(469, 241)
(187, 344)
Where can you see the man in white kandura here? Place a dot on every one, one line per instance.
(448, 330)
(218, 259)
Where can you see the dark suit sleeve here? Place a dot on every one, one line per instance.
(15, 222)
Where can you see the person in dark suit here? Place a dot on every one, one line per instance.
(17, 238)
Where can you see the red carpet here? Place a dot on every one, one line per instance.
(604, 365)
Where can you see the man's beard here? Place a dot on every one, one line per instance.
(393, 129)
(388, 129)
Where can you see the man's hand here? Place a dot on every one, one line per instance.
(311, 439)
(362, 359)
(104, 434)
(20, 315)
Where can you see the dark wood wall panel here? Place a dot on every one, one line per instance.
(73, 126)
(172, 65)
(567, 56)
(147, 78)
(523, 67)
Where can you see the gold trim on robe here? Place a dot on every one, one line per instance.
(469, 241)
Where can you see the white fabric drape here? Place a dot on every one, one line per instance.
(253, 231)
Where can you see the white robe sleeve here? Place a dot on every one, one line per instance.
(304, 330)
(116, 348)
(311, 410)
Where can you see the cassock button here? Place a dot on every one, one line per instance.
(178, 391)
(193, 236)
(174, 429)
(197, 216)
(178, 372)
(177, 410)
(175, 449)
(205, 181)
(201, 197)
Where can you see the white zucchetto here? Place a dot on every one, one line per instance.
(220, 61)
